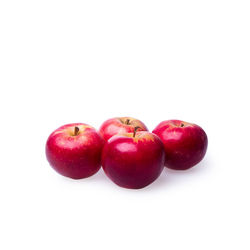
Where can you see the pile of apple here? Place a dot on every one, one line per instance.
(130, 156)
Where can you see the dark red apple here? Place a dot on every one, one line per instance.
(185, 143)
(74, 150)
(120, 125)
(133, 160)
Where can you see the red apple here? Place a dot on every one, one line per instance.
(120, 125)
(74, 150)
(133, 160)
(185, 143)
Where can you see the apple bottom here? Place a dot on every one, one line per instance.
(75, 170)
(74, 150)
(185, 153)
(136, 178)
(182, 162)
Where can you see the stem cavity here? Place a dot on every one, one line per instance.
(135, 129)
(76, 131)
(127, 122)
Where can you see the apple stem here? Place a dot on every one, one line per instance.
(76, 130)
(135, 129)
(182, 125)
(127, 122)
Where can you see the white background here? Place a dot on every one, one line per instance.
(87, 61)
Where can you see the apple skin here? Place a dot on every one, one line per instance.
(118, 125)
(75, 156)
(185, 143)
(133, 162)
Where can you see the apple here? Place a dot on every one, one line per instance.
(74, 150)
(185, 143)
(133, 160)
(120, 125)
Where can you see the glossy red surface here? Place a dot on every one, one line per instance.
(75, 156)
(118, 126)
(185, 143)
(133, 162)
